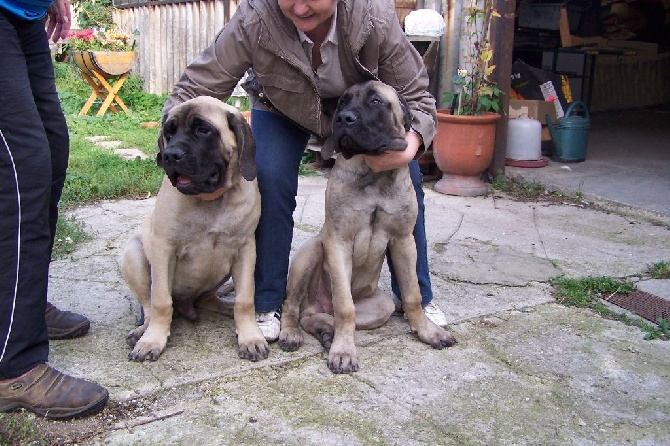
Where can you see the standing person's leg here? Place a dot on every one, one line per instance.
(280, 145)
(43, 85)
(25, 237)
(60, 324)
(25, 180)
(422, 268)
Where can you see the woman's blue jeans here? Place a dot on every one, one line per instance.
(280, 146)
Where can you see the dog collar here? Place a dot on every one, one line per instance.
(209, 196)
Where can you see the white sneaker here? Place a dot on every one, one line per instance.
(270, 324)
(436, 315)
(431, 311)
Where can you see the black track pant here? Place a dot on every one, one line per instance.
(34, 149)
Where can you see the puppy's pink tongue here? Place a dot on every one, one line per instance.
(183, 180)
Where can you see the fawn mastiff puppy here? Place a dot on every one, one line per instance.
(332, 286)
(201, 231)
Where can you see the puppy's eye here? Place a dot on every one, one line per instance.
(168, 134)
(375, 101)
(203, 130)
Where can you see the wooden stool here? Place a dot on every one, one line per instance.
(98, 69)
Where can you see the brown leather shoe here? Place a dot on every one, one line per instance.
(65, 324)
(51, 394)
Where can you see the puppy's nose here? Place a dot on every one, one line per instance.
(346, 117)
(173, 155)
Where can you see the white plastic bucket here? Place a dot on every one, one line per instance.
(524, 139)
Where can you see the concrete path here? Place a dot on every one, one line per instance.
(526, 370)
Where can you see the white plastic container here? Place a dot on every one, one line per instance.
(524, 139)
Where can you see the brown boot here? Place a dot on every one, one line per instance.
(51, 394)
(65, 324)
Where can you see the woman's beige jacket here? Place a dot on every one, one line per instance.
(371, 45)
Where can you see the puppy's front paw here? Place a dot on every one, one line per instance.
(344, 362)
(253, 350)
(290, 339)
(436, 337)
(149, 351)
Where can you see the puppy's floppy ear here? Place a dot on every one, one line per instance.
(161, 143)
(329, 147)
(246, 145)
(407, 115)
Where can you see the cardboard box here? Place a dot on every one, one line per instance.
(535, 110)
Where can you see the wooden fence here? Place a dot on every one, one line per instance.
(169, 34)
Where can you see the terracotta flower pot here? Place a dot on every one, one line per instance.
(463, 150)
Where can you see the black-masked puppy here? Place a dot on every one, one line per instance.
(201, 231)
(333, 278)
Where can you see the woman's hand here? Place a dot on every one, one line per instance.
(394, 159)
(58, 20)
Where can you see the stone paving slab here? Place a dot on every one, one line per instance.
(526, 370)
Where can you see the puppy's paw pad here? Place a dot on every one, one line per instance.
(143, 352)
(342, 363)
(254, 352)
(290, 340)
(141, 357)
(440, 339)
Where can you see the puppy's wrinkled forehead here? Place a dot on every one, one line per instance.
(186, 114)
(392, 97)
(371, 90)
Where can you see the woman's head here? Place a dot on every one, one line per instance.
(307, 15)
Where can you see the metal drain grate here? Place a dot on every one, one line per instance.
(643, 304)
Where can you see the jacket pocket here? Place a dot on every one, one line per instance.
(287, 79)
(400, 69)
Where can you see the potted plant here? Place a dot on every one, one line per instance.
(101, 56)
(463, 146)
(109, 53)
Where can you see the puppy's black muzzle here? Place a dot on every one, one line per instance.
(361, 134)
(173, 155)
(346, 118)
(192, 167)
(179, 157)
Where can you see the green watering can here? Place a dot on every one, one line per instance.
(570, 134)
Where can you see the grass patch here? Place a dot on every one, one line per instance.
(659, 270)
(305, 169)
(587, 293)
(20, 428)
(531, 190)
(515, 187)
(69, 234)
(95, 173)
